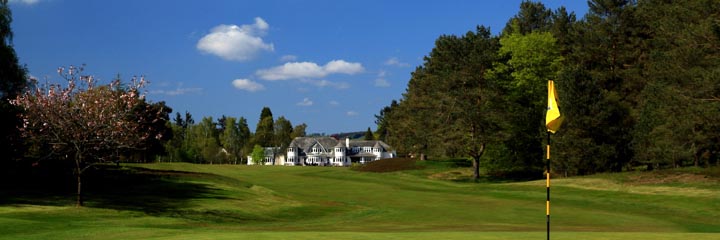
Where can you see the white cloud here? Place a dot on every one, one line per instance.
(288, 58)
(351, 113)
(334, 103)
(306, 102)
(394, 61)
(292, 70)
(180, 89)
(177, 91)
(238, 43)
(300, 70)
(326, 83)
(28, 2)
(382, 73)
(341, 66)
(247, 85)
(380, 81)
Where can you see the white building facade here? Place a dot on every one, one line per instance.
(328, 151)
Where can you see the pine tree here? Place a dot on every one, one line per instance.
(13, 80)
(369, 135)
(264, 132)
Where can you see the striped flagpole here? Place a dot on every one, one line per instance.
(547, 186)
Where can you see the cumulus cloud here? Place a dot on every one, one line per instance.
(351, 113)
(334, 103)
(340, 66)
(236, 43)
(300, 70)
(247, 85)
(394, 61)
(306, 102)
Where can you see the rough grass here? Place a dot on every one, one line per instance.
(186, 201)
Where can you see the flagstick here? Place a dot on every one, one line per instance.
(547, 172)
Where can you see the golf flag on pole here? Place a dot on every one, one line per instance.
(553, 118)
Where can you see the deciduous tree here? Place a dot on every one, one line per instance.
(283, 133)
(86, 123)
(258, 155)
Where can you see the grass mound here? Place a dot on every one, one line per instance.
(389, 165)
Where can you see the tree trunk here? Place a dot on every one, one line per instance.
(79, 190)
(476, 162)
(78, 172)
(476, 168)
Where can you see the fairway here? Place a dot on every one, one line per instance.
(188, 201)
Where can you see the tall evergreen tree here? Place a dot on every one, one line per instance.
(450, 107)
(264, 132)
(13, 80)
(382, 123)
(532, 16)
(678, 112)
(178, 120)
(600, 87)
(369, 135)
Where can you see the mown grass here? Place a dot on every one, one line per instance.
(187, 201)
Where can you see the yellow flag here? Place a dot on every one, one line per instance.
(553, 119)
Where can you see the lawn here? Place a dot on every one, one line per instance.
(188, 201)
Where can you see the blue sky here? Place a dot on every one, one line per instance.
(330, 64)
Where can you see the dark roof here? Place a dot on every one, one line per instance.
(326, 144)
(370, 143)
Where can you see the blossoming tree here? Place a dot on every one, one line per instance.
(86, 123)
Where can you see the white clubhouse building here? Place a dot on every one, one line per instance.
(328, 151)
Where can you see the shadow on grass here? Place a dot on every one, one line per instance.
(155, 192)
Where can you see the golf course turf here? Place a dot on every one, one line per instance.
(189, 201)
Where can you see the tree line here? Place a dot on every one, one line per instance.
(638, 82)
(227, 140)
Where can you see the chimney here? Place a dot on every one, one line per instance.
(347, 142)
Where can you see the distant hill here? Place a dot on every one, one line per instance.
(351, 135)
